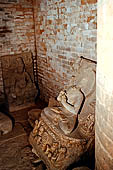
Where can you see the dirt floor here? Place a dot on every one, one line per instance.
(15, 150)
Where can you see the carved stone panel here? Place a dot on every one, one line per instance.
(55, 149)
(18, 80)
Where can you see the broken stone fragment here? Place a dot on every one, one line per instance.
(5, 124)
(33, 115)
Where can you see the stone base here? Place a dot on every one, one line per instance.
(54, 148)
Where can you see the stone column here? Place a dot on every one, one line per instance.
(104, 96)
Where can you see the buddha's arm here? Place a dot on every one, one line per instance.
(74, 109)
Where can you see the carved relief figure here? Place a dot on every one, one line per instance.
(22, 80)
(18, 79)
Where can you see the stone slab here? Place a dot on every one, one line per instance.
(18, 76)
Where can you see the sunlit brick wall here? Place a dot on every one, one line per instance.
(104, 90)
(16, 28)
(65, 30)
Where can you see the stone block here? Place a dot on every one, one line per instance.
(18, 78)
(5, 124)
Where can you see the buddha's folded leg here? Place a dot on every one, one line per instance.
(58, 117)
(67, 125)
(52, 112)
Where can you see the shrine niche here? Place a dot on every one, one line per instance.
(65, 130)
(18, 79)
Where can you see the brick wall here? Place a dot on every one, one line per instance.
(65, 30)
(16, 28)
(104, 89)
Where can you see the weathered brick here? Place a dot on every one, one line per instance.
(91, 1)
(60, 28)
(90, 18)
(83, 2)
(15, 34)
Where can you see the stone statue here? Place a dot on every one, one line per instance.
(73, 98)
(66, 115)
(63, 133)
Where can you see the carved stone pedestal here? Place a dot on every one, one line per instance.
(56, 149)
(65, 132)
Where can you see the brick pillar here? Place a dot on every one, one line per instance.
(104, 96)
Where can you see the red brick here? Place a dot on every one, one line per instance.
(54, 41)
(90, 18)
(83, 2)
(91, 1)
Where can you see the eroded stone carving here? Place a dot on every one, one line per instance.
(18, 80)
(5, 124)
(65, 132)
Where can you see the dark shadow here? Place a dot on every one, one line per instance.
(79, 111)
(87, 160)
(35, 74)
(4, 108)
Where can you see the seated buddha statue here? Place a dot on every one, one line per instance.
(77, 98)
(65, 130)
